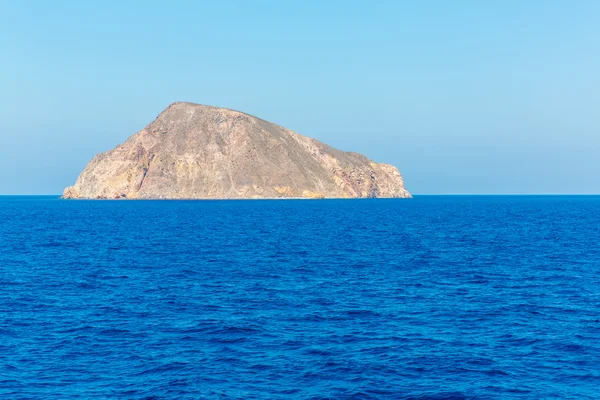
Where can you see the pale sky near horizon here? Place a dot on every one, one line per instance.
(462, 96)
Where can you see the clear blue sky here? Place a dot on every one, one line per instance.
(462, 96)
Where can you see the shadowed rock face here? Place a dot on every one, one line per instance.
(192, 151)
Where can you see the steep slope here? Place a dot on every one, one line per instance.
(193, 151)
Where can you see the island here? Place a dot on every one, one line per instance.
(193, 151)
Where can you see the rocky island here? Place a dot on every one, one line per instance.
(193, 151)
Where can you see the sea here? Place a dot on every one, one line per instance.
(437, 297)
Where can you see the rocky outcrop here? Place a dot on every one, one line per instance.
(192, 151)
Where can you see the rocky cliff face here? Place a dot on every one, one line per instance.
(192, 151)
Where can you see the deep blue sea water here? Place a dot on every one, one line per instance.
(439, 297)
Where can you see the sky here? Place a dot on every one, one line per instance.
(464, 97)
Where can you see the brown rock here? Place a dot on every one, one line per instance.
(191, 151)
